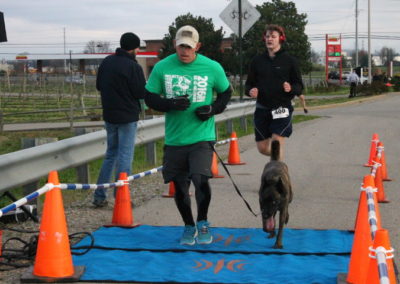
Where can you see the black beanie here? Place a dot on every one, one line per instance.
(129, 41)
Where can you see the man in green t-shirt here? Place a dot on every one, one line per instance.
(182, 85)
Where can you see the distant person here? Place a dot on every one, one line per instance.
(274, 78)
(377, 76)
(121, 82)
(303, 103)
(182, 85)
(353, 79)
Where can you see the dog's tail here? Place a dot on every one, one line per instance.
(275, 150)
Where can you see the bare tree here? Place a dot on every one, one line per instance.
(97, 47)
(314, 57)
(387, 54)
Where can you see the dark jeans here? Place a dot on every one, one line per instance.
(119, 155)
(353, 88)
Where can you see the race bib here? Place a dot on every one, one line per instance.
(280, 112)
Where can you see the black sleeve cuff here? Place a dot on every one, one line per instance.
(156, 102)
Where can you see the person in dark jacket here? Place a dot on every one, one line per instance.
(121, 82)
(274, 79)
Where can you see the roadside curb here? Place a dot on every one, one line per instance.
(360, 100)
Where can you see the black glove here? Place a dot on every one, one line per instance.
(205, 112)
(305, 110)
(179, 103)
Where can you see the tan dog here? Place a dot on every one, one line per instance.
(275, 194)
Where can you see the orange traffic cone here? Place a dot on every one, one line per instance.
(122, 214)
(379, 182)
(234, 155)
(381, 243)
(362, 240)
(214, 167)
(369, 184)
(171, 190)
(372, 151)
(53, 261)
(381, 150)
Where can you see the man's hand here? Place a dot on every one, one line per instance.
(253, 93)
(286, 87)
(179, 103)
(205, 112)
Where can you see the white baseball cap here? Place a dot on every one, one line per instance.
(187, 35)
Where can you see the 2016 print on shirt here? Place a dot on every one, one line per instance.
(178, 85)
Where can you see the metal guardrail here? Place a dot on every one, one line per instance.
(24, 166)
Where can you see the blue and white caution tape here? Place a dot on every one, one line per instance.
(381, 255)
(47, 187)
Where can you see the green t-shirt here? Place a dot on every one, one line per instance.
(171, 78)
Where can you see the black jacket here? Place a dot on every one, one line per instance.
(268, 75)
(121, 82)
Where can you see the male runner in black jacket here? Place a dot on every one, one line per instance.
(274, 79)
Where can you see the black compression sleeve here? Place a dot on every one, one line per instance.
(222, 100)
(156, 102)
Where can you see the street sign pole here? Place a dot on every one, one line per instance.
(240, 16)
(240, 52)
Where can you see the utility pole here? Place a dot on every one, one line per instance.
(356, 38)
(369, 43)
(65, 60)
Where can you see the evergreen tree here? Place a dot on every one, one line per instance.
(209, 37)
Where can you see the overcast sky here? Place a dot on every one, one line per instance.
(37, 26)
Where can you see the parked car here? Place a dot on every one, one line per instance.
(345, 75)
(74, 79)
(333, 75)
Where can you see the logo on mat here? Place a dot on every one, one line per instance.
(231, 239)
(233, 265)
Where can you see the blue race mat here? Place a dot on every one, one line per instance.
(237, 255)
(202, 267)
(229, 240)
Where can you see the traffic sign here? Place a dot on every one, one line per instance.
(230, 16)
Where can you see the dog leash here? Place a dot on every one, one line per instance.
(233, 182)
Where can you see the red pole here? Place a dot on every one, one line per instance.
(326, 57)
(340, 64)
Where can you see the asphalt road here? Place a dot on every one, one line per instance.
(325, 158)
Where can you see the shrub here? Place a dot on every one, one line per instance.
(323, 87)
(396, 82)
(375, 88)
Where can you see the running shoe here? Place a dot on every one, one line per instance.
(189, 235)
(204, 236)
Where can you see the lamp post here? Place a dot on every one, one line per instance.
(356, 38)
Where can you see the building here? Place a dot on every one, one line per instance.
(81, 63)
(80, 60)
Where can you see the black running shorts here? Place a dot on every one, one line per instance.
(265, 126)
(184, 161)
